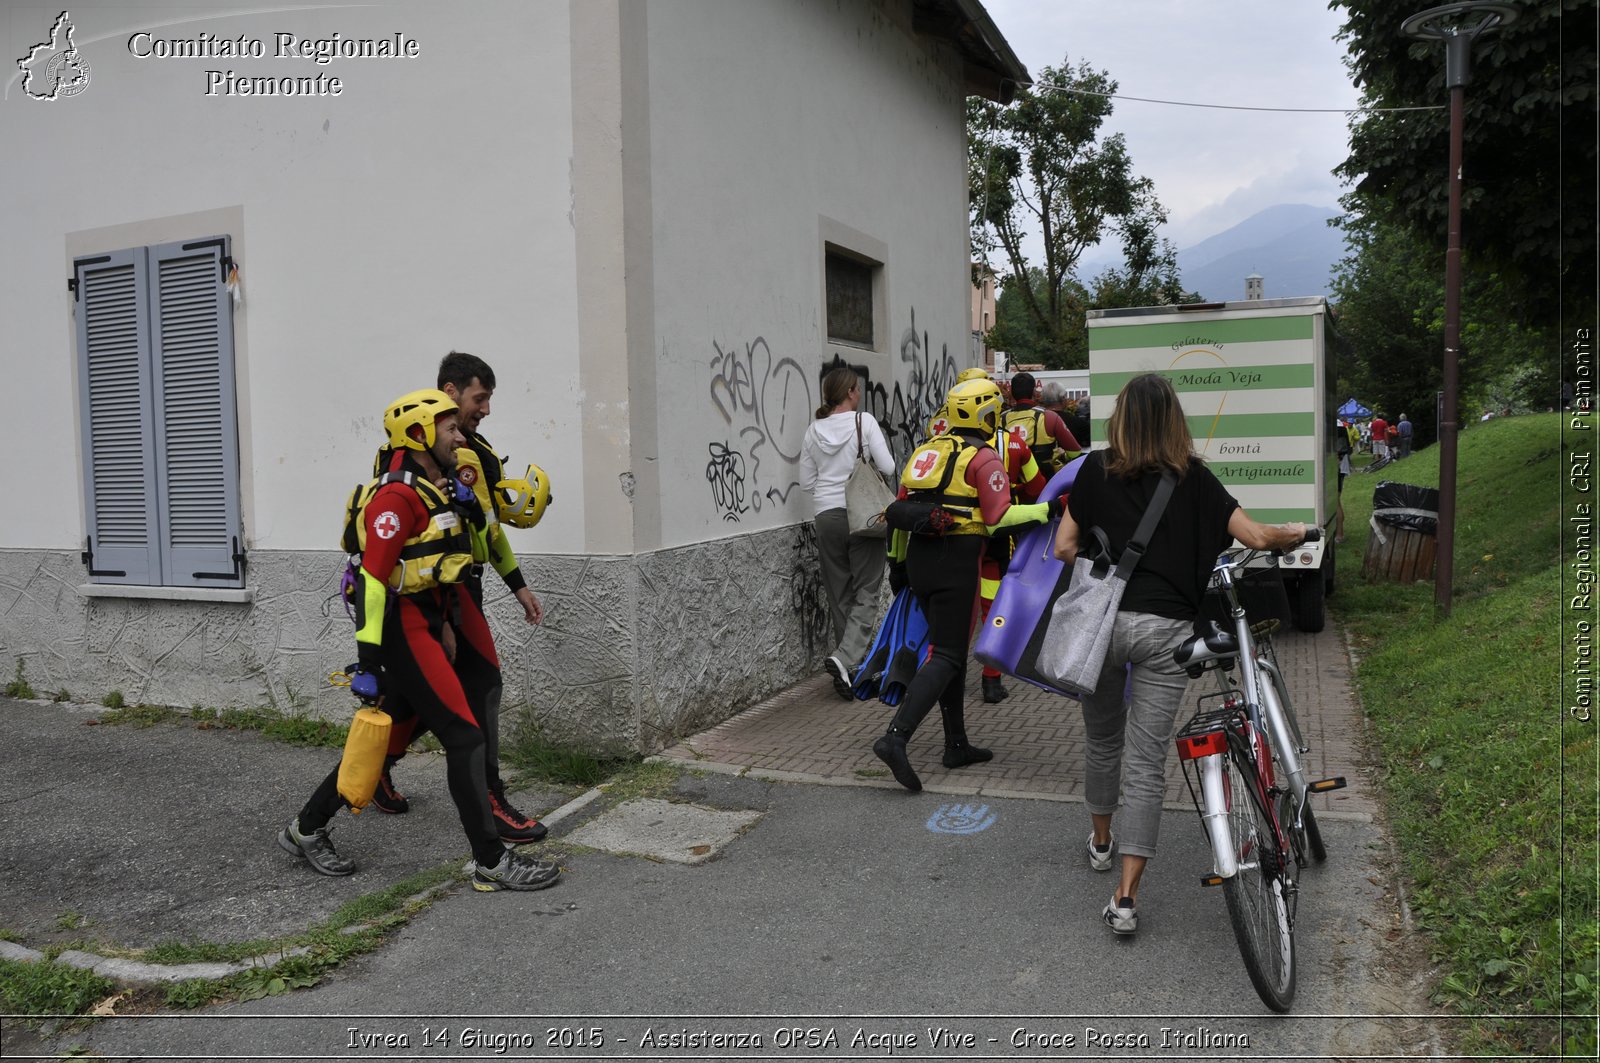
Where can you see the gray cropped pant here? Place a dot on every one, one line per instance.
(1127, 742)
(852, 573)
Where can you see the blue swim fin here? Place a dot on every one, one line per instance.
(869, 676)
(909, 650)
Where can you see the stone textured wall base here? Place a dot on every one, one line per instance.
(633, 652)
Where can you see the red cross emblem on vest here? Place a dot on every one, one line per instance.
(924, 465)
(387, 525)
(939, 426)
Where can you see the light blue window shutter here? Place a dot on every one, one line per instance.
(196, 423)
(114, 392)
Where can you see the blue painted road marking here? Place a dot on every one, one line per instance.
(961, 819)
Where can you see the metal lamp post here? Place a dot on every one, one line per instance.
(1458, 25)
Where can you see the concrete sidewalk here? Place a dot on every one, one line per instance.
(809, 734)
(133, 835)
(833, 893)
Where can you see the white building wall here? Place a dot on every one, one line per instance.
(774, 125)
(620, 205)
(424, 208)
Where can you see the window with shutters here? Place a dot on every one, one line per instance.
(159, 417)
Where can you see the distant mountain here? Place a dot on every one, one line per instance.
(1290, 245)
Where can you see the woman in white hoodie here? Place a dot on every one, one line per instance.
(852, 567)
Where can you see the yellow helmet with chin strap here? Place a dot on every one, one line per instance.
(523, 502)
(976, 372)
(412, 409)
(974, 405)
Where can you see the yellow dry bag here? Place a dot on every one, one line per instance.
(364, 752)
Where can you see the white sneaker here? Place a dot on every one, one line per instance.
(1100, 859)
(841, 678)
(1121, 916)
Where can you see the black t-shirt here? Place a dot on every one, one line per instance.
(1193, 530)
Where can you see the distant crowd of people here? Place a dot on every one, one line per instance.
(1381, 436)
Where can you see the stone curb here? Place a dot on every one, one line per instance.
(778, 775)
(137, 972)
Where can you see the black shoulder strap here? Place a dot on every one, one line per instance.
(1133, 553)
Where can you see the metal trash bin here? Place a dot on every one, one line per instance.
(1405, 527)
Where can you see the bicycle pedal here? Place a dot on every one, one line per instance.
(1322, 786)
(1211, 880)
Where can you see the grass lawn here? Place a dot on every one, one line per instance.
(1490, 783)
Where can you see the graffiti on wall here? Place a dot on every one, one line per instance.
(765, 404)
(904, 405)
(807, 595)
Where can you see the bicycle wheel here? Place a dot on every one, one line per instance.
(1309, 837)
(1258, 904)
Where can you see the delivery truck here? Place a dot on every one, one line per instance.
(1256, 379)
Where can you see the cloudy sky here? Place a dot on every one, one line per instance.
(1212, 168)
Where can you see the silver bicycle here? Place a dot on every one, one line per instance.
(1241, 756)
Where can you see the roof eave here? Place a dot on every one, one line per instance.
(989, 67)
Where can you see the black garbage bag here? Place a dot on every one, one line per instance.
(1406, 506)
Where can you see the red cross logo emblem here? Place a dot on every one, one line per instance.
(387, 525)
(997, 481)
(468, 475)
(939, 426)
(924, 465)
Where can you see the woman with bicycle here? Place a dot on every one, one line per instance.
(1127, 742)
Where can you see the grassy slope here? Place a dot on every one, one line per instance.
(1485, 775)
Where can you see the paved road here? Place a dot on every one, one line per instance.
(843, 908)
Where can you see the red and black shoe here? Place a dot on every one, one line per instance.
(387, 799)
(512, 825)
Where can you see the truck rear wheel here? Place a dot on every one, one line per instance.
(1310, 602)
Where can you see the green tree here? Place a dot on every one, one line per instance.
(1389, 294)
(1041, 167)
(1017, 332)
(1528, 205)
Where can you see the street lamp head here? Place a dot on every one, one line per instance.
(1458, 25)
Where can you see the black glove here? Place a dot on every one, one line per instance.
(368, 686)
(1055, 507)
(467, 504)
(897, 577)
(366, 675)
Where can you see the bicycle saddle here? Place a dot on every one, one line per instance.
(1211, 644)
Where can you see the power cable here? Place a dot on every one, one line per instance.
(1235, 106)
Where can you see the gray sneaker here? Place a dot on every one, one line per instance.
(1100, 859)
(316, 849)
(515, 872)
(1121, 916)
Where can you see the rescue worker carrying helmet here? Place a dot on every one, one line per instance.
(407, 602)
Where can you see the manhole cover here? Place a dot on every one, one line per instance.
(684, 834)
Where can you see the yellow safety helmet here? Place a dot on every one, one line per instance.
(529, 498)
(974, 405)
(977, 372)
(416, 408)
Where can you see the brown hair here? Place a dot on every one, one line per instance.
(836, 385)
(1147, 431)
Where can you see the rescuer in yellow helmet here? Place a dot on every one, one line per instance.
(961, 473)
(410, 531)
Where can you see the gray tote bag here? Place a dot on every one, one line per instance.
(866, 495)
(1079, 636)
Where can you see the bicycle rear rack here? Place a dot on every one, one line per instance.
(1202, 745)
